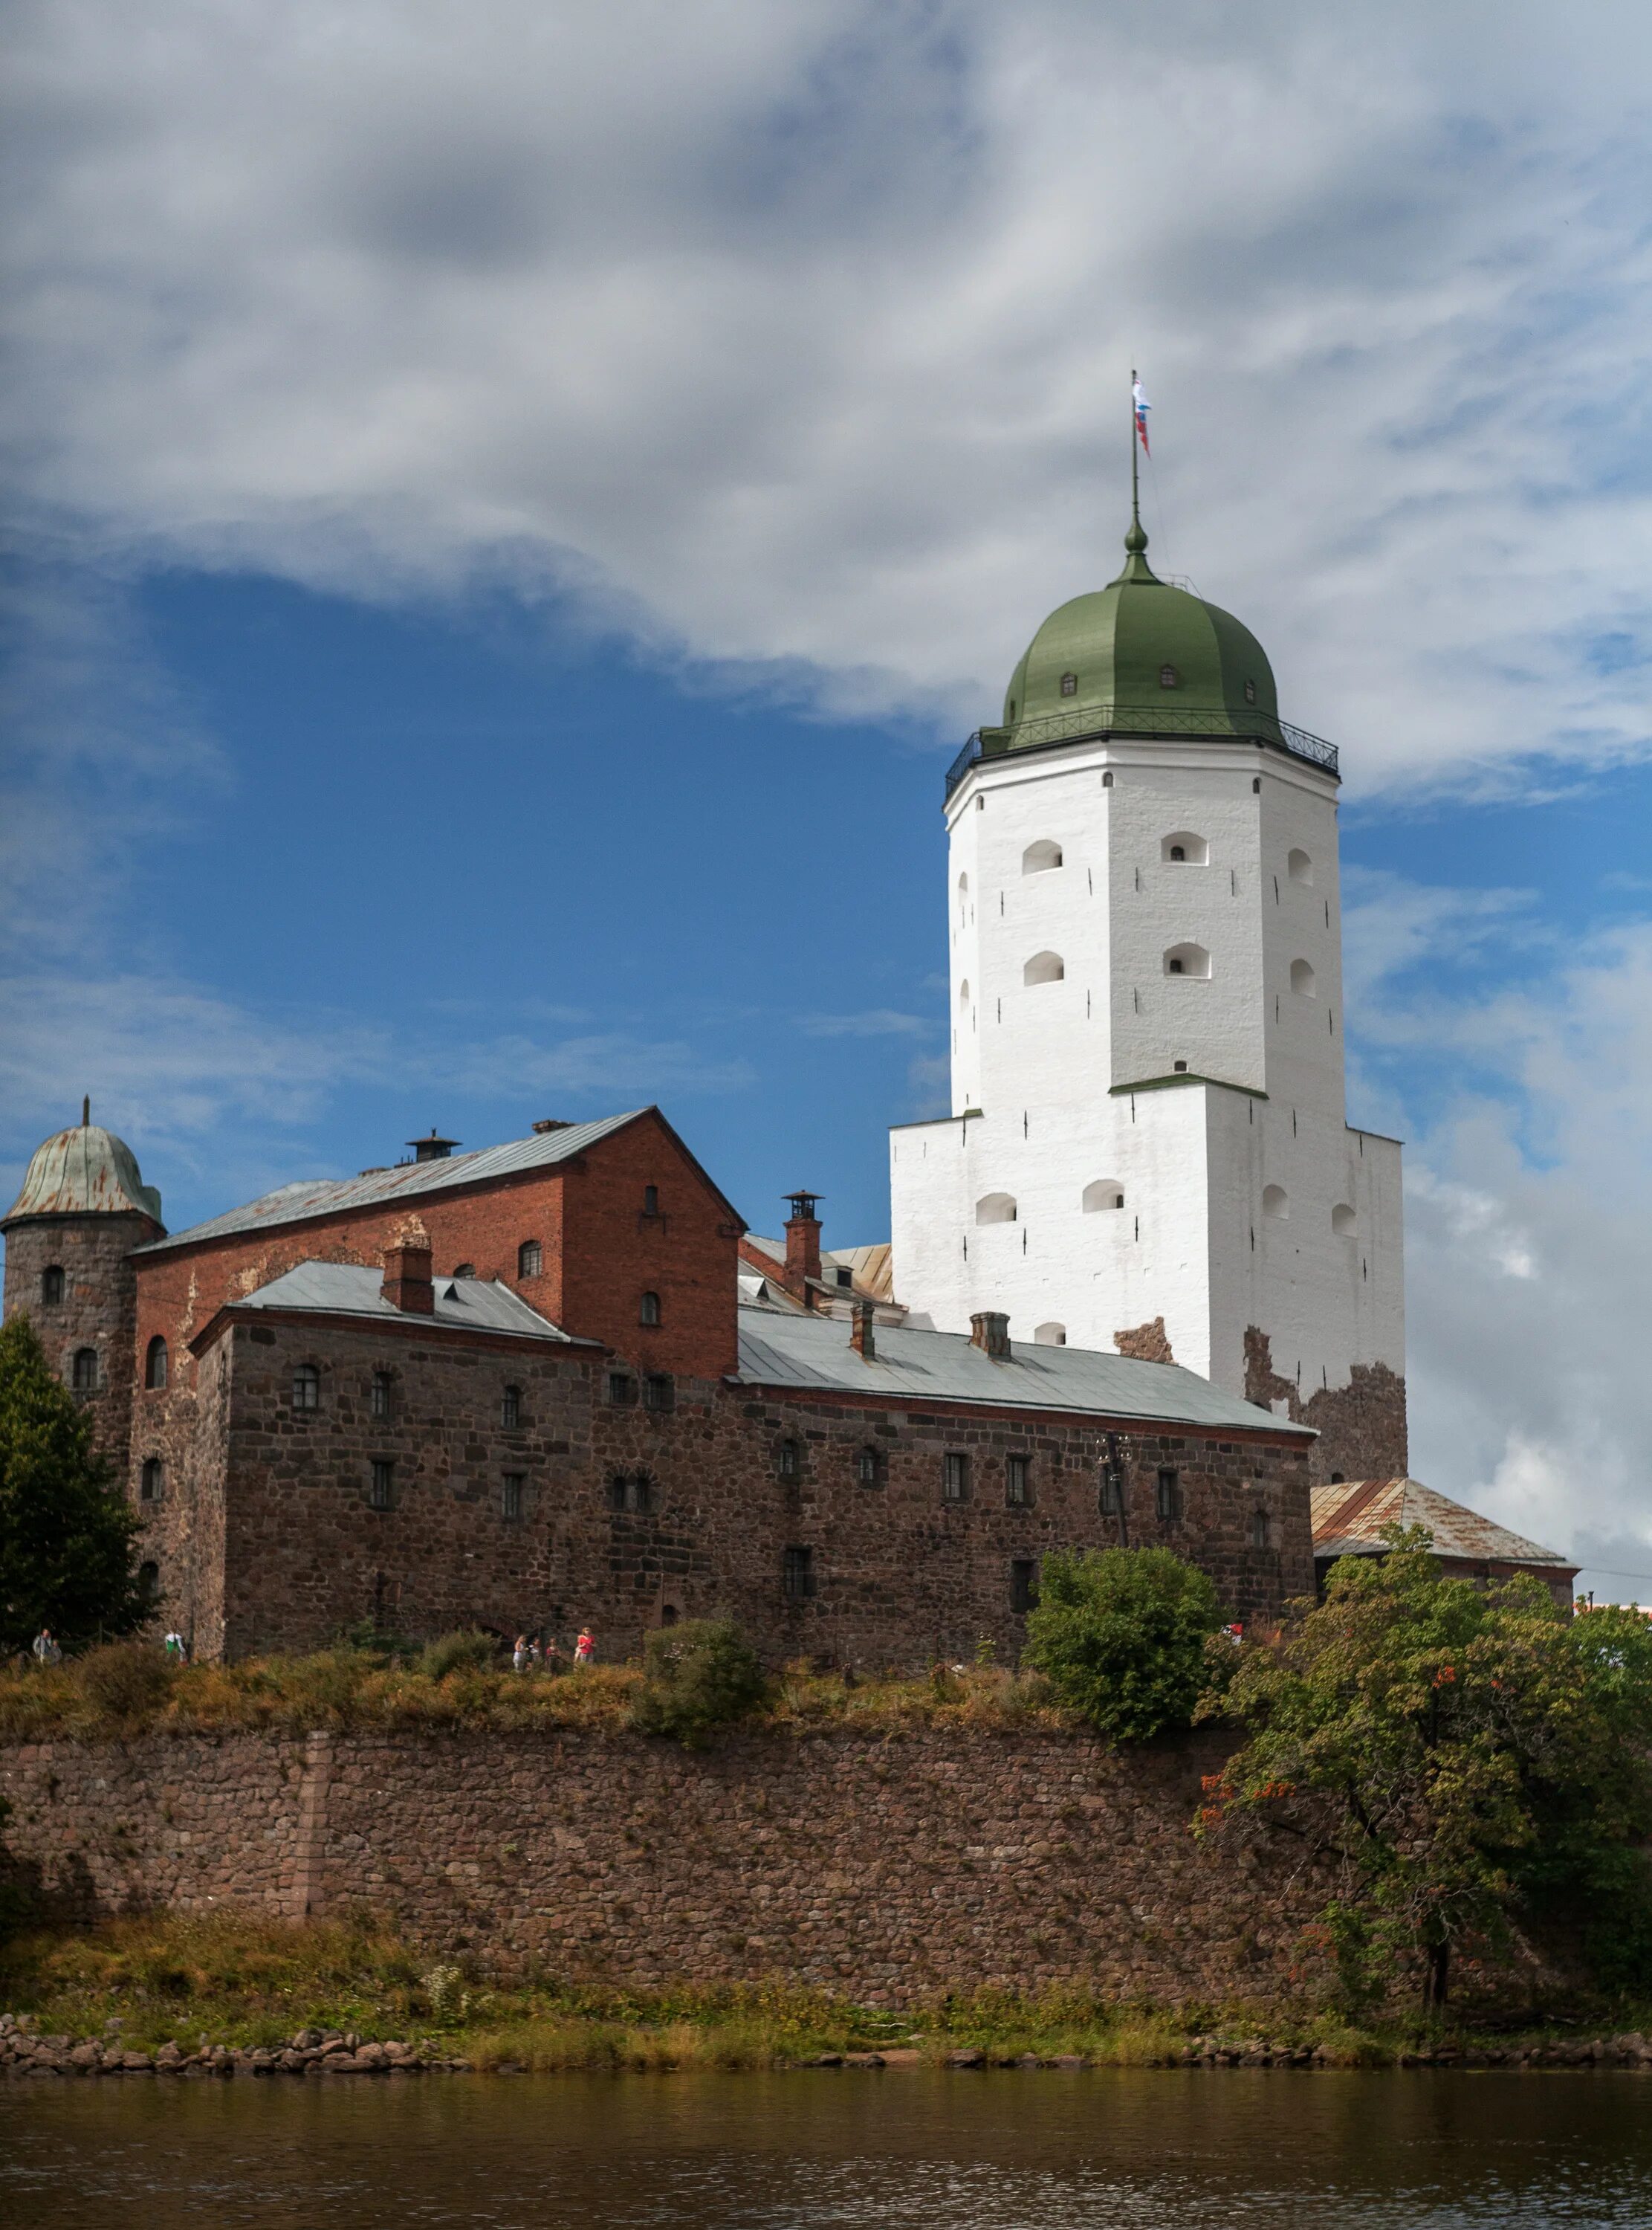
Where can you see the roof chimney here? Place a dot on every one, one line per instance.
(407, 1274)
(433, 1149)
(990, 1331)
(802, 1242)
(862, 1336)
(551, 1123)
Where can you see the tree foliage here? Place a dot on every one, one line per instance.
(66, 1537)
(1120, 1634)
(697, 1677)
(1467, 1759)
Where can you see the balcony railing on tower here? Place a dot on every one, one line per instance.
(1094, 723)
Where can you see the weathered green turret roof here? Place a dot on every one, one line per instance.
(1142, 656)
(84, 1171)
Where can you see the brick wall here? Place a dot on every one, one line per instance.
(703, 1523)
(886, 1869)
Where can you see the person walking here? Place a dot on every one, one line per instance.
(585, 1647)
(45, 1649)
(519, 1654)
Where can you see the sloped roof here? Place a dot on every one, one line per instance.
(1349, 1517)
(350, 1289)
(870, 1266)
(313, 1196)
(813, 1353)
(84, 1170)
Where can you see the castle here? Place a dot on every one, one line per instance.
(559, 1381)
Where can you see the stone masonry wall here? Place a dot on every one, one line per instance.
(885, 1868)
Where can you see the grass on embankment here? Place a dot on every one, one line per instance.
(129, 1689)
(235, 1980)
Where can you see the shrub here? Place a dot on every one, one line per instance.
(455, 1652)
(1120, 1634)
(697, 1677)
(128, 1681)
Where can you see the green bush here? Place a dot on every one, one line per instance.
(1119, 1635)
(697, 1677)
(128, 1681)
(456, 1652)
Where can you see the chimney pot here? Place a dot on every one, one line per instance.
(863, 1336)
(990, 1331)
(802, 1243)
(407, 1283)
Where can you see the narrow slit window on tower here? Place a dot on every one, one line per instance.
(510, 1407)
(380, 1393)
(51, 1286)
(152, 1481)
(155, 1361)
(381, 1488)
(1069, 685)
(1262, 1530)
(1168, 1495)
(651, 1200)
(511, 1496)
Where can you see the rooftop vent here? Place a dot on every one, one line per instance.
(550, 1122)
(433, 1149)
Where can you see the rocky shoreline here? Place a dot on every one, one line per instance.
(325, 2053)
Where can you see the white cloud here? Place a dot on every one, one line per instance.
(875, 1022)
(1528, 1199)
(793, 339)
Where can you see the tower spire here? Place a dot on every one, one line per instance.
(1136, 567)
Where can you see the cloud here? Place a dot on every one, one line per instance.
(1528, 1193)
(876, 1022)
(790, 342)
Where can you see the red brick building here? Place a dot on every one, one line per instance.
(520, 1388)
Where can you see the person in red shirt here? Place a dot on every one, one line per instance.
(585, 1647)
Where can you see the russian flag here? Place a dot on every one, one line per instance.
(1142, 407)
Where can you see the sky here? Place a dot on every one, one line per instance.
(512, 508)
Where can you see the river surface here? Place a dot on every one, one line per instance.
(858, 2151)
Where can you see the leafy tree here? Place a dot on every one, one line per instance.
(697, 1677)
(1119, 1635)
(67, 1537)
(1460, 1755)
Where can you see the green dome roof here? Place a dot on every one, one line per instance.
(84, 1171)
(1142, 656)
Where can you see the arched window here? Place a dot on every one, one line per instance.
(306, 1387)
(51, 1286)
(1044, 968)
(1039, 858)
(86, 1371)
(1168, 678)
(963, 992)
(155, 1362)
(1050, 1335)
(510, 1407)
(1262, 1530)
(1298, 865)
(465, 1270)
(1069, 685)
(1182, 848)
(529, 1259)
(379, 1397)
(1344, 1222)
(1188, 960)
(1301, 978)
(1106, 1192)
(648, 1309)
(995, 1208)
(150, 1479)
(963, 886)
(1275, 1202)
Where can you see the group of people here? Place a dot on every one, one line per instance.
(528, 1656)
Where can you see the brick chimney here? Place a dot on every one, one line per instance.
(862, 1336)
(990, 1331)
(407, 1273)
(802, 1242)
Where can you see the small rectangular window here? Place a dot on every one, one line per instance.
(511, 1498)
(788, 1459)
(306, 1387)
(380, 1393)
(954, 1479)
(383, 1483)
(869, 1467)
(1169, 1494)
(1024, 1586)
(651, 1200)
(622, 1389)
(1262, 1531)
(797, 1575)
(1112, 1497)
(510, 1407)
(658, 1391)
(1017, 1481)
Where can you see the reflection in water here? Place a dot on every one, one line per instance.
(1024, 2150)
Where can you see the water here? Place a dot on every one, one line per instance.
(1022, 2150)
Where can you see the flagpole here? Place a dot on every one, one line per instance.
(1136, 464)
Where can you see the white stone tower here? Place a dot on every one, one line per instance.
(1148, 1146)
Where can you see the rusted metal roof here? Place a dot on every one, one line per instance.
(1349, 1517)
(314, 1197)
(85, 1172)
(349, 1289)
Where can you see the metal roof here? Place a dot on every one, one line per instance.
(313, 1196)
(85, 1171)
(1349, 1517)
(813, 1353)
(349, 1289)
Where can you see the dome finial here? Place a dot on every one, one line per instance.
(1136, 567)
(85, 1109)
